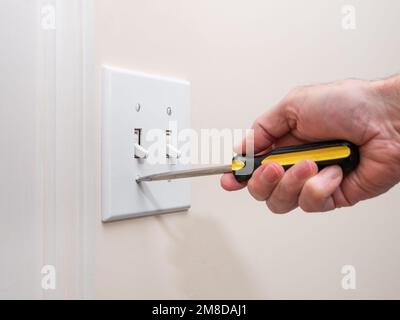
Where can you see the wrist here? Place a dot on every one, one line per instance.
(389, 91)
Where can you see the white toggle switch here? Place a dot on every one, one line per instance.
(140, 152)
(173, 152)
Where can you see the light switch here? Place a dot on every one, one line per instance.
(171, 150)
(140, 152)
(134, 106)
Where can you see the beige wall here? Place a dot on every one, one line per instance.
(241, 57)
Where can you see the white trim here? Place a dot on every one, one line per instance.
(66, 86)
(90, 204)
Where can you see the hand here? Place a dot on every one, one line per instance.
(365, 113)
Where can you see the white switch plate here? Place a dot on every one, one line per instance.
(122, 90)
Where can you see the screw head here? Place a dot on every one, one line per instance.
(169, 111)
(138, 107)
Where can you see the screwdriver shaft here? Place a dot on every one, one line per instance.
(197, 172)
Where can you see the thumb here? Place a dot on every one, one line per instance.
(267, 128)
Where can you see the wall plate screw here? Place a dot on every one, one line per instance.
(138, 107)
(169, 111)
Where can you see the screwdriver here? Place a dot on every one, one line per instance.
(338, 152)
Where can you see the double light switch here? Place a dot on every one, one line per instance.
(134, 106)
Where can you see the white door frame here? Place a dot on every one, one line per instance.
(67, 144)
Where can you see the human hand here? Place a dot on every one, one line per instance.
(363, 112)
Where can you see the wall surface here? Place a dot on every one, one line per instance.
(243, 56)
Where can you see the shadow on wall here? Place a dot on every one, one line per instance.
(207, 266)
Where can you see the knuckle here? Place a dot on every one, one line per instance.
(293, 183)
(294, 99)
(284, 189)
(279, 195)
(296, 91)
(289, 187)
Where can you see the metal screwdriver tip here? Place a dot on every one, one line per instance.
(142, 179)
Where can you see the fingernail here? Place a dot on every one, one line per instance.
(270, 173)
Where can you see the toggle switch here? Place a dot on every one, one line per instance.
(171, 151)
(140, 152)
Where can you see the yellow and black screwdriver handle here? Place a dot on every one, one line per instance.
(342, 153)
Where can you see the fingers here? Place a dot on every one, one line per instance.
(318, 192)
(264, 180)
(301, 186)
(229, 183)
(284, 197)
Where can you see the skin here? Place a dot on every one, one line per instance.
(366, 113)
